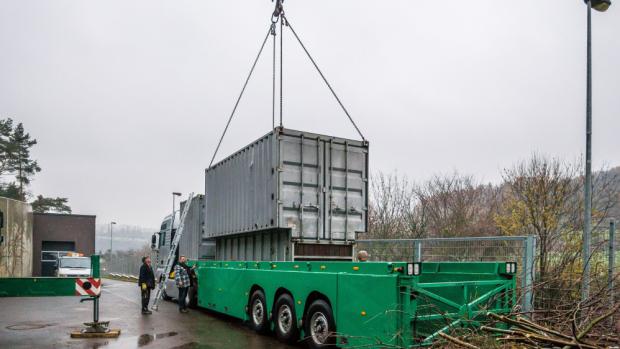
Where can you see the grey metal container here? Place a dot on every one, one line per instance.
(194, 244)
(314, 186)
(277, 245)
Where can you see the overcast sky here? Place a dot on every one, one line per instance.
(128, 98)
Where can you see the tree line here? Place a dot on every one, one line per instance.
(540, 196)
(18, 168)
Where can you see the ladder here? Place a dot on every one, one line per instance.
(171, 254)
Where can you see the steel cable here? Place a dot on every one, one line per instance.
(288, 24)
(240, 95)
(281, 58)
(273, 88)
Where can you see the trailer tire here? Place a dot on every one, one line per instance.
(319, 326)
(258, 312)
(285, 319)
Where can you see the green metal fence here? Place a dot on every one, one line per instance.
(520, 249)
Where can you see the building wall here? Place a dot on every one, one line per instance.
(52, 227)
(16, 250)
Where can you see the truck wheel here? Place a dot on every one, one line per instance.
(286, 320)
(192, 294)
(165, 296)
(258, 312)
(320, 327)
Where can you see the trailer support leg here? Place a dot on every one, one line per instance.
(95, 329)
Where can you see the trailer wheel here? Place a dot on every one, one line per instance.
(286, 320)
(320, 327)
(258, 312)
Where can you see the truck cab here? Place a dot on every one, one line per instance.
(193, 244)
(160, 243)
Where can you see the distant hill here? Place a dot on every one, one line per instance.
(615, 211)
(124, 237)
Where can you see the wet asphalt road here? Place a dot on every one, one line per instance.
(45, 322)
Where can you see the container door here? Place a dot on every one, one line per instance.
(301, 184)
(345, 195)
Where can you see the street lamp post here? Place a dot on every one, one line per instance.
(174, 195)
(111, 224)
(602, 6)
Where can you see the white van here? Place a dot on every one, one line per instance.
(74, 267)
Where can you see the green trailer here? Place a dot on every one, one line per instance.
(364, 304)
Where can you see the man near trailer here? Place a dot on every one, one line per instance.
(183, 282)
(146, 281)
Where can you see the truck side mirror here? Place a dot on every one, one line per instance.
(1, 219)
(154, 242)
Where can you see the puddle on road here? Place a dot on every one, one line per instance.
(146, 339)
(29, 325)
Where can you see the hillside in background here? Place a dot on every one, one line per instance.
(615, 211)
(124, 237)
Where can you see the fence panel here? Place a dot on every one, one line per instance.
(520, 249)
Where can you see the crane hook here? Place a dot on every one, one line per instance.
(278, 11)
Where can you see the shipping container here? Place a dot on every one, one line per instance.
(277, 245)
(194, 243)
(314, 187)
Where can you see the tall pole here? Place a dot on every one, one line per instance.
(111, 223)
(174, 195)
(611, 265)
(587, 221)
(172, 216)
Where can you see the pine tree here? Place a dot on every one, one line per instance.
(6, 129)
(9, 190)
(19, 158)
(43, 204)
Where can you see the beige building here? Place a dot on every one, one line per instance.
(16, 247)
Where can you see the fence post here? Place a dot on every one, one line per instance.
(417, 251)
(611, 266)
(527, 279)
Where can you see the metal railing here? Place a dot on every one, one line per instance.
(520, 249)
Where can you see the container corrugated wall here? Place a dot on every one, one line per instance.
(194, 244)
(273, 245)
(313, 185)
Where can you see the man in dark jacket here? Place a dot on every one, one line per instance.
(146, 281)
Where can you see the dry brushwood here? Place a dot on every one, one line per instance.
(540, 336)
(457, 341)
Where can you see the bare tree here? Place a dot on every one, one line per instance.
(539, 199)
(543, 196)
(457, 205)
(394, 212)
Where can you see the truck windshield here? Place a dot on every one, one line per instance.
(75, 262)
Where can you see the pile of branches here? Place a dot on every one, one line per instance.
(530, 334)
(524, 333)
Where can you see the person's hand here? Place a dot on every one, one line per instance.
(143, 286)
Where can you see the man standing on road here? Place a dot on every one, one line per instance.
(181, 277)
(146, 281)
